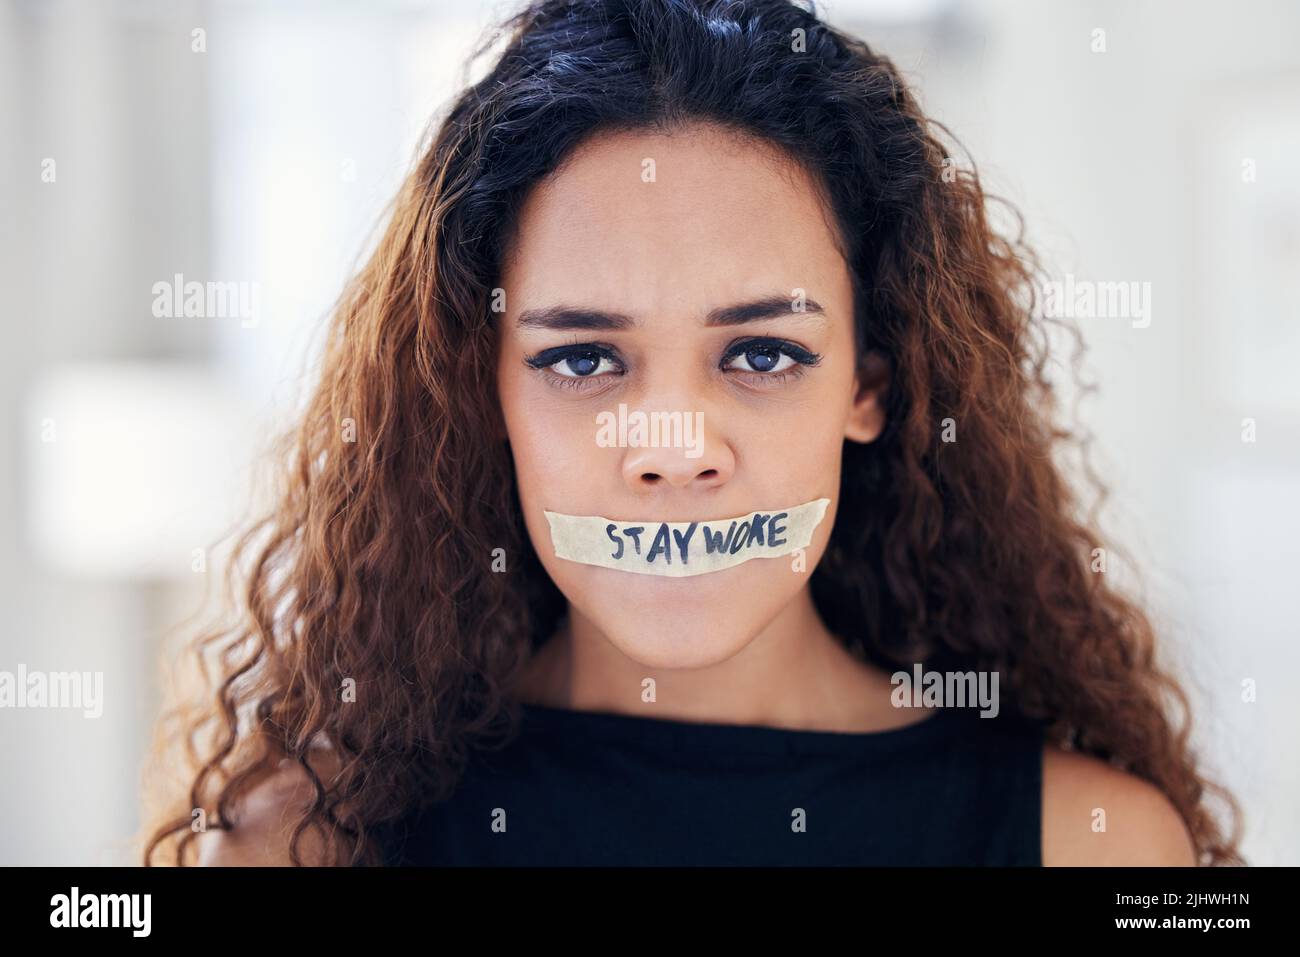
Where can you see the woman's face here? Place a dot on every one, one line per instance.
(615, 286)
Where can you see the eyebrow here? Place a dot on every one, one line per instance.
(565, 318)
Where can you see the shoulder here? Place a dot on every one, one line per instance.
(1097, 815)
(264, 819)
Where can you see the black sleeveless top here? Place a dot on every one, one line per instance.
(594, 788)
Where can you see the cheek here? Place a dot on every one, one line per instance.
(559, 466)
(789, 450)
(556, 454)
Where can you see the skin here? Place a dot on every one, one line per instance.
(726, 220)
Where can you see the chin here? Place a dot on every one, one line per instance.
(665, 641)
(689, 622)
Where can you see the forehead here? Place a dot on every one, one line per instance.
(696, 217)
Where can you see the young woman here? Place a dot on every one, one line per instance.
(492, 621)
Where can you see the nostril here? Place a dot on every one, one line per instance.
(650, 478)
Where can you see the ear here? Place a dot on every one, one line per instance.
(870, 384)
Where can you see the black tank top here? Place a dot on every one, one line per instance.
(594, 788)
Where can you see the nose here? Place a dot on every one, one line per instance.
(694, 456)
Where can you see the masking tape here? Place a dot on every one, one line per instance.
(677, 549)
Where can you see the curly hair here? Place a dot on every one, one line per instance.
(370, 572)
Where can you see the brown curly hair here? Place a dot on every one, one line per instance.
(371, 571)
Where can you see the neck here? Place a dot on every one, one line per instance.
(794, 674)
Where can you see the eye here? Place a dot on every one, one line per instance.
(762, 358)
(585, 361)
(583, 364)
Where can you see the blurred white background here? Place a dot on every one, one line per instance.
(1170, 157)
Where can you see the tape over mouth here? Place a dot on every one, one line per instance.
(680, 549)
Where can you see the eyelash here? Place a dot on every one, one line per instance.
(543, 361)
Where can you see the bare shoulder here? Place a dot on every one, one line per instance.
(265, 816)
(1097, 815)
